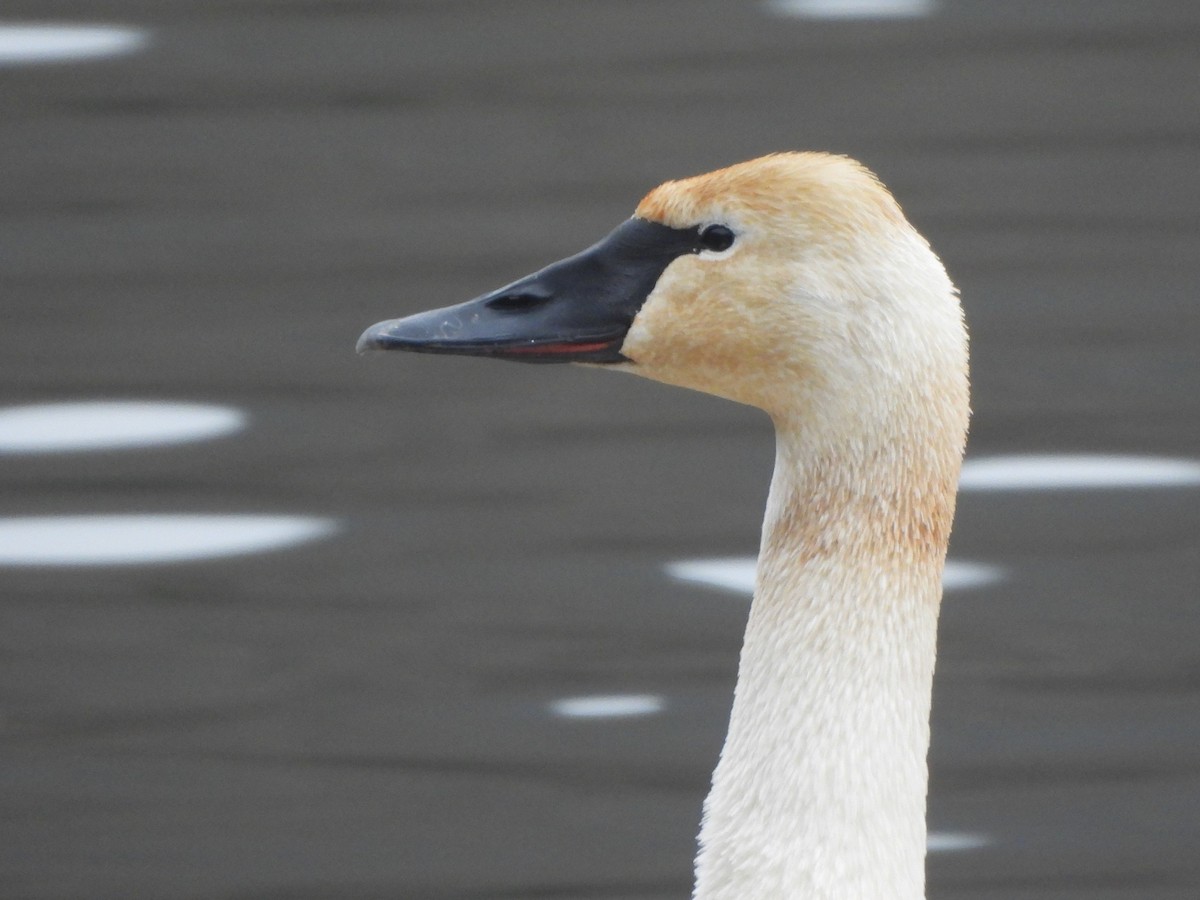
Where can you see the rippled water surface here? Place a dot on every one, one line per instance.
(277, 621)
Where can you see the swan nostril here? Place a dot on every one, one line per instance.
(517, 301)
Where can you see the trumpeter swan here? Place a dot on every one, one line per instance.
(793, 283)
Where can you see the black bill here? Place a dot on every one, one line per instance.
(576, 310)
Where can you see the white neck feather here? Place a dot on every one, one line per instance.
(820, 790)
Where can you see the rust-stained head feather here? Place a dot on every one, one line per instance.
(833, 193)
(832, 313)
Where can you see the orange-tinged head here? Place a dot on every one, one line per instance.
(792, 282)
(827, 294)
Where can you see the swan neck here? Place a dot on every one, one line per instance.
(820, 790)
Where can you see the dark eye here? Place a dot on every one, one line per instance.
(716, 238)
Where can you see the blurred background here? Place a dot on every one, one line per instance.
(281, 622)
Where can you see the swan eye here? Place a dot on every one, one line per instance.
(716, 238)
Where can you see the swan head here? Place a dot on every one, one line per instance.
(792, 282)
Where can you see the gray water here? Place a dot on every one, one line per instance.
(375, 709)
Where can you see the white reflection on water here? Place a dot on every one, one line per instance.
(111, 425)
(950, 841)
(122, 540)
(608, 706)
(44, 43)
(851, 9)
(1057, 472)
(736, 573)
